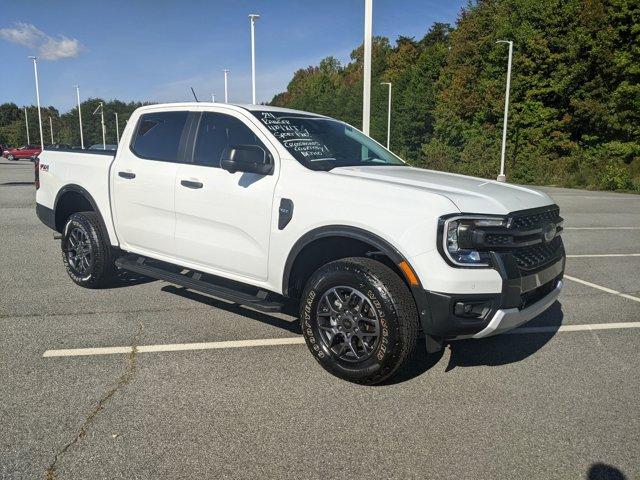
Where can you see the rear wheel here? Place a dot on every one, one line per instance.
(86, 252)
(359, 320)
(10, 157)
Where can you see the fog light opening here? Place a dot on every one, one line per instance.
(472, 309)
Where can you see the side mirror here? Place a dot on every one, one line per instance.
(246, 158)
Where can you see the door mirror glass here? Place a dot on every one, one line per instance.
(246, 158)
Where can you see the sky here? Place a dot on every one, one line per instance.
(155, 50)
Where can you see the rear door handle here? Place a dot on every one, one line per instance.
(190, 184)
(127, 175)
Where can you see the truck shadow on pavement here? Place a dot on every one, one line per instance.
(292, 326)
(506, 348)
(493, 351)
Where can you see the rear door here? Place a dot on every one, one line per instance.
(143, 183)
(223, 220)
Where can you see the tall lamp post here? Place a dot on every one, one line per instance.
(79, 116)
(366, 89)
(51, 128)
(388, 115)
(26, 124)
(117, 130)
(253, 17)
(35, 72)
(104, 137)
(502, 177)
(226, 81)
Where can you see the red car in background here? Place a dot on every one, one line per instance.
(26, 151)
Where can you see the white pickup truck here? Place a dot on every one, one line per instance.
(272, 208)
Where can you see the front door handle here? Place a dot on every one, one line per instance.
(190, 184)
(127, 175)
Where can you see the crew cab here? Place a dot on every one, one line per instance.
(26, 151)
(283, 210)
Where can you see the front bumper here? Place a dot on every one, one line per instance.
(523, 297)
(507, 319)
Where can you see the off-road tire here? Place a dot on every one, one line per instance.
(394, 307)
(100, 270)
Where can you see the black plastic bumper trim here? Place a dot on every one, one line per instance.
(46, 216)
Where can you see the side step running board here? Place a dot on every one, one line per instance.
(192, 280)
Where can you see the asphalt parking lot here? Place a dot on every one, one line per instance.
(559, 399)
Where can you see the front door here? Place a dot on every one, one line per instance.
(223, 220)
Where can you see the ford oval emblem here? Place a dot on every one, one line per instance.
(548, 232)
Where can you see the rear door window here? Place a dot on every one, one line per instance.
(158, 136)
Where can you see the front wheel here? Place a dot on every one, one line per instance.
(10, 158)
(359, 320)
(86, 252)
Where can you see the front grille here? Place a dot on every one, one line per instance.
(524, 238)
(537, 256)
(529, 226)
(536, 220)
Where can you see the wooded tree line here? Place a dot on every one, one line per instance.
(574, 118)
(66, 128)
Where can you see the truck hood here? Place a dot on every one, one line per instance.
(469, 194)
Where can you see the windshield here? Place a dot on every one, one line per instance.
(323, 143)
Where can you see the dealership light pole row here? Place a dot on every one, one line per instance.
(366, 93)
(77, 87)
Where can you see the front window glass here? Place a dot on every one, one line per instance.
(218, 131)
(324, 143)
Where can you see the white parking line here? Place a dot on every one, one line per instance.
(597, 255)
(263, 342)
(576, 328)
(604, 289)
(175, 347)
(601, 228)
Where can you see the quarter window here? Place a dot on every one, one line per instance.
(158, 135)
(218, 131)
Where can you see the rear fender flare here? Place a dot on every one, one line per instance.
(72, 187)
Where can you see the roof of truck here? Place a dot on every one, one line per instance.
(243, 106)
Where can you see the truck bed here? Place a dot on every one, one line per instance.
(62, 170)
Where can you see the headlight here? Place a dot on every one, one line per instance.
(460, 235)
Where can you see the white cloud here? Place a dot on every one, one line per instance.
(46, 46)
(61, 48)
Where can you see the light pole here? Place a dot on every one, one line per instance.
(117, 130)
(51, 128)
(253, 17)
(26, 123)
(388, 115)
(104, 138)
(226, 91)
(80, 116)
(35, 72)
(366, 90)
(502, 177)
